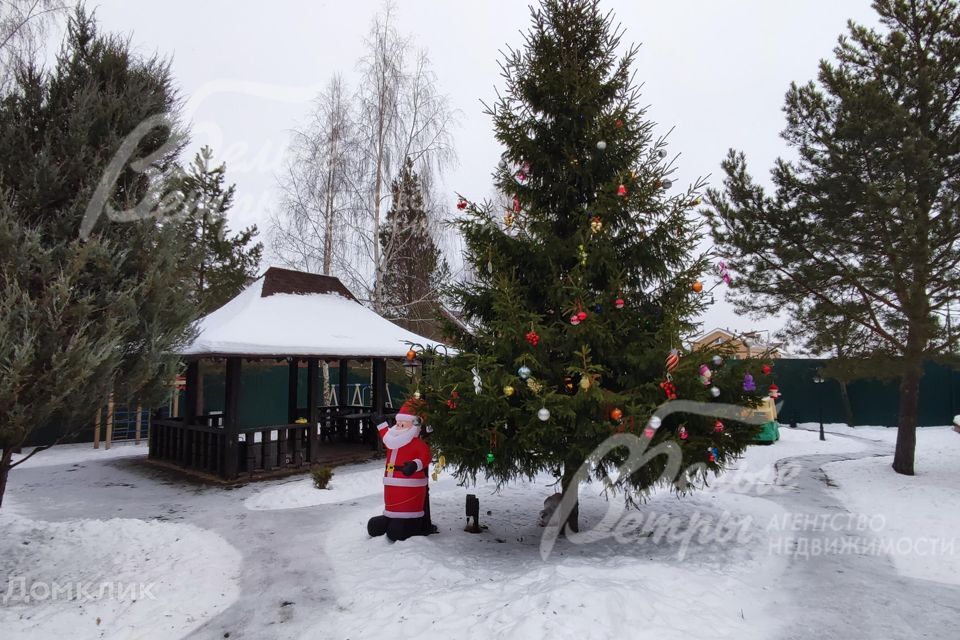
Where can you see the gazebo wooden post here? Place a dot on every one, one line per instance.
(189, 412)
(292, 380)
(231, 421)
(379, 366)
(313, 416)
(344, 398)
(193, 383)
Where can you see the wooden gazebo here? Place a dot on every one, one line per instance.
(283, 315)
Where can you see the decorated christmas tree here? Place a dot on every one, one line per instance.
(583, 286)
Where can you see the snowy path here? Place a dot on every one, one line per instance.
(310, 572)
(848, 594)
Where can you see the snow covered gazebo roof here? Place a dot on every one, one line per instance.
(292, 313)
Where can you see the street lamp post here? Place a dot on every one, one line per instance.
(817, 380)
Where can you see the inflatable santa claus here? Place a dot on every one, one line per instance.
(405, 511)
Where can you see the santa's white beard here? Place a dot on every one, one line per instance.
(396, 438)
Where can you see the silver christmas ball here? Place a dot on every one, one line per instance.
(667, 184)
(601, 145)
(662, 153)
(543, 414)
(714, 392)
(717, 361)
(524, 372)
(655, 422)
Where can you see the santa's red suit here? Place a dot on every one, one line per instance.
(404, 476)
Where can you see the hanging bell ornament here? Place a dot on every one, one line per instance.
(543, 414)
(523, 372)
(601, 145)
(585, 382)
(508, 219)
(508, 391)
(622, 190)
(595, 224)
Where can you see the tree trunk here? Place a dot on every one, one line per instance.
(569, 484)
(845, 401)
(907, 420)
(5, 459)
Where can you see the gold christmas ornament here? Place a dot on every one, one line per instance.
(595, 224)
(508, 218)
(585, 383)
(508, 391)
(534, 386)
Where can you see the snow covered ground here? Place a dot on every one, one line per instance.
(81, 452)
(281, 559)
(918, 517)
(116, 578)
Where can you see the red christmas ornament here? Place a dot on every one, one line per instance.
(766, 369)
(452, 402)
(582, 316)
(669, 389)
(574, 319)
(516, 204)
(673, 359)
(461, 204)
(533, 338)
(718, 427)
(618, 303)
(622, 190)
(616, 414)
(619, 123)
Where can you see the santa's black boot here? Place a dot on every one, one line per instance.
(377, 525)
(403, 528)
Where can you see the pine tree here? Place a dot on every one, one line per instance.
(222, 264)
(415, 271)
(90, 305)
(588, 280)
(863, 225)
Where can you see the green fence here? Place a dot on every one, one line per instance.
(873, 402)
(263, 398)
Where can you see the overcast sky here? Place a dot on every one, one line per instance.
(713, 70)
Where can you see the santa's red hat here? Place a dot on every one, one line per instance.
(411, 409)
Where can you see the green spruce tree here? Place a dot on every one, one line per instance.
(415, 270)
(90, 304)
(863, 225)
(588, 280)
(222, 264)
